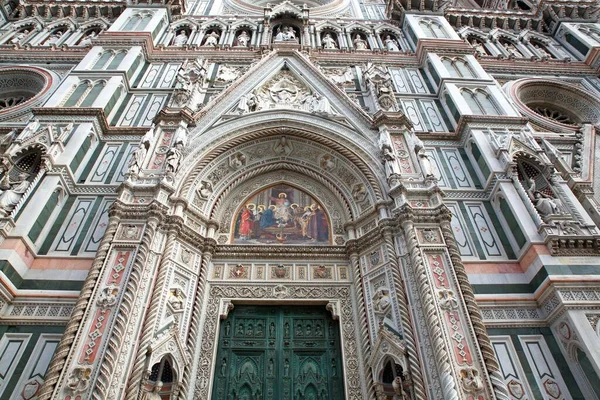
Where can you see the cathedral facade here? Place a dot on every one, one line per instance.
(330, 199)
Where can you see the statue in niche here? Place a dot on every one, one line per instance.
(243, 39)
(424, 159)
(212, 39)
(174, 156)
(86, 40)
(11, 197)
(136, 162)
(285, 34)
(511, 50)
(18, 38)
(542, 51)
(248, 103)
(329, 42)
(545, 204)
(154, 394)
(389, 159)
(360, 43)
(54, 38)
(479, 47)
(390, 44)
(181, 38)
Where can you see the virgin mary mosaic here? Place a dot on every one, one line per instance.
(284, 215)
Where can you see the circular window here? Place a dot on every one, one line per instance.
(553, 114)
(554, 105)
(21, 87)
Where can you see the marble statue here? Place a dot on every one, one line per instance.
(285, 33)
(136, 162)
(360, 43)
(329, 42)
(86, 40)
(248, 103)
(19, 37)
(11, 197)
(390, 44)
(545, 204)
(181, 38)
(389, 159)
(30, 129)
(137, 159)
(512, 50)
(479, 47)
(174, 156)
(542, 51)
(243, 39)
(153, 395)
(54, 38)
(212, 39)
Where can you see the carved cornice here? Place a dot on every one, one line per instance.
(280, 252)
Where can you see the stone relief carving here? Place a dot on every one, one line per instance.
(229, 74)
(108, 296)
(339, 76)
(544, 203)
(11, 196)
(284, 91)
(379, 82)
(79, 379)
(190, 78)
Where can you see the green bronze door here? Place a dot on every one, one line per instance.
(278, 353)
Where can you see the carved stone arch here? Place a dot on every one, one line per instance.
(252, 127)
(244, 24)
(328, 26)
(505, 35)
(469, 32)
(388, 28)
(96, 23)
(214, 24)
(67, 23)
(169, 345)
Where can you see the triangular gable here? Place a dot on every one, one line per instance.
(283, 77)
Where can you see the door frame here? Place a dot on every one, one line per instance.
(221, 298)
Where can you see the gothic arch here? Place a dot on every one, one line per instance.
(336, 137)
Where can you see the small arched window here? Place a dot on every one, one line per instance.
(432, 28)
(78, 94)
(84, 94)
(92, 95)
(116, 60)
(479, 102)
(137, 22)
(458, 67)
(103, 60)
